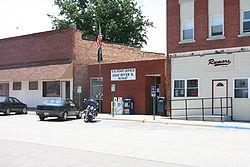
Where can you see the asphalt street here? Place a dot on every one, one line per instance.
(26, 141)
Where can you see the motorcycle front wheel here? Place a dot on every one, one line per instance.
(86, 119)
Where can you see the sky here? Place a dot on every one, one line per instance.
(21, 17)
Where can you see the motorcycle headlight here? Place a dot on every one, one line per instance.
(92, 108)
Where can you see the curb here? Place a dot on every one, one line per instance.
(183, 124)
(159, 122)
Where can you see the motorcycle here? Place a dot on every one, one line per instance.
(91, 111)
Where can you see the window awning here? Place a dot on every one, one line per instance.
(50, 72)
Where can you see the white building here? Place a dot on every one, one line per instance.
(33, 85)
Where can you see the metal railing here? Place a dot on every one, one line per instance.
(205, 105)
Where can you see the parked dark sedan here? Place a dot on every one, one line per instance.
(12, 104)
(61, 108)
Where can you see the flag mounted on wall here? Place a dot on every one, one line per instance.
(99, 46)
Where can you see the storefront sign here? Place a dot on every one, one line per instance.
(219, 62)
(123, 74)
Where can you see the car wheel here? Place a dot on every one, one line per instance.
(24, 110)
(79, 115)
(64, 116)
(7, 111)
(41, 118)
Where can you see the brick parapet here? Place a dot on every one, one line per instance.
(46, 47)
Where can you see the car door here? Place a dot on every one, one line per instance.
(11, 104)
(8, 103)
(18, 105)
(67, 107)
(73, 108)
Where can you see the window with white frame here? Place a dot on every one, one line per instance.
(241, 88)
(246, 21)
(179, 88)
(187, 30)
(216, 18)
(192, 88)
(217, 25)
(186, 88)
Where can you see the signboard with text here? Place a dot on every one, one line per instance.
(220, 63)
(123, 74)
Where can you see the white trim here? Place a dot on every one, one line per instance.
(183, 1)
(174, 87)
(210, 27)
(248, 84)
(212, 38)
(186, 41)
(210, 52)
(242, 34)
(185, 87)
(182, 29)
(153, 75)
(246, 34)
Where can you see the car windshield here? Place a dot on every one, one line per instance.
(2, 99)
(54, 102)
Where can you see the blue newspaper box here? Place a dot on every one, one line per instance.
(161, 102)
(128, 106)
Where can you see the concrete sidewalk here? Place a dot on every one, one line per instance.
(167, 120)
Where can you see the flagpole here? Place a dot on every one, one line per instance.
(100, 75)
(101, 92)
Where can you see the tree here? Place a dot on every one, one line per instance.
(121, 21)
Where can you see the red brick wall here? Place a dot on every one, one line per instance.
(86, 54)
(37, 48)
(231, 24)
(138, 90)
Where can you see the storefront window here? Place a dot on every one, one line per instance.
(51, 89)
(17, 85)
(192, 88)
(241, 88)
(33, 85)
(96, 87)
(179, 88)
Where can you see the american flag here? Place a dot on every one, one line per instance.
(99, 40)
(99, 46)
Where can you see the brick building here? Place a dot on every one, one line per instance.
(146, 74)
(52, 64)
(209, 46)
